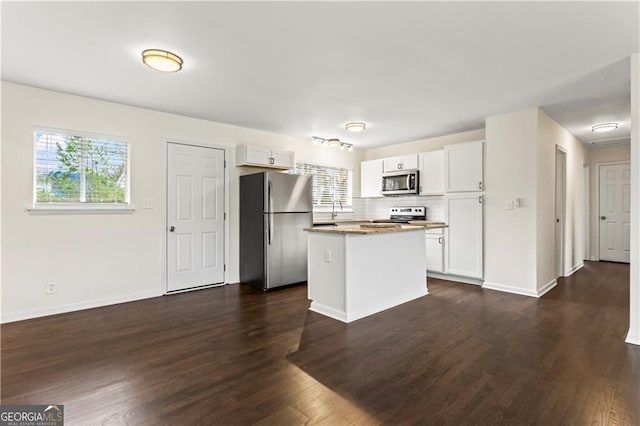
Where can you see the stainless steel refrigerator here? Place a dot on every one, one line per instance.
(274, 210)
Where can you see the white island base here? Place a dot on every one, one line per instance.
(353, 275)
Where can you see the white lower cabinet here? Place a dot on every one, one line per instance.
(464, 248)
(435, 251)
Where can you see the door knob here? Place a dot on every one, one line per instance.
(603, 217)
(172, 228)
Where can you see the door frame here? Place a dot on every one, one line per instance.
(164, 282)
(559, 258)
(596, 218)
(586, 214)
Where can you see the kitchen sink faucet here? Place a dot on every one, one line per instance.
(334, 213)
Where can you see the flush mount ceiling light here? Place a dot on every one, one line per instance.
(355, 126)
(604, 127)
(333, 142)
(162, 60)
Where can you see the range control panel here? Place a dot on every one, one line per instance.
(416, 212)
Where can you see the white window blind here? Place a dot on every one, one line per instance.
(79, 169)
(329, 184)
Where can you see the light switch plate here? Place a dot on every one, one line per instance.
(327, 256)
(508, 205)
(147, 203)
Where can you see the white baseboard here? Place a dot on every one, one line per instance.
(574, 269)
(328, 311)
(387, 304)
(455, 278)
(509, 289)
(71, 307)
(633, 337)
(353, 316)
(548, 286)
(594, 259)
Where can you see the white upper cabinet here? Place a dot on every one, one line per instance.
(263, 156)
(431, 167)
(371, 178)
(404, 162)
(464, 167)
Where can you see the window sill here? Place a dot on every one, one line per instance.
(75, 209)
(329, 210)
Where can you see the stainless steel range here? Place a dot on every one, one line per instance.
(404, 214)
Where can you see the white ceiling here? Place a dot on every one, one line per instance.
(410, 70)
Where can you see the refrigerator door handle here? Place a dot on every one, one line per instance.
(270, 217)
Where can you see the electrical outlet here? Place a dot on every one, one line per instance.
(327, 256)
(51, 288)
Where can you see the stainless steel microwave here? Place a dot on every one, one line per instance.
(403, 182)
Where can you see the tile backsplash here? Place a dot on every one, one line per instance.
(378, 208)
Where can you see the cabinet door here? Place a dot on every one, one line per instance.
(371, 178)
(283, 159)
(435, 253)
(409, 161)
(463, 167)
(431, 167)
(464, 248)
(393, 164)
(258, 155)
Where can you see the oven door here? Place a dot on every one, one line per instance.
(400, 183)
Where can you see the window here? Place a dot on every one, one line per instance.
(329, 184)
(77, 169)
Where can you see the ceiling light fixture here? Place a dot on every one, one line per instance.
(355, 126)
(333, 142)
(162, 60)
(604, 127)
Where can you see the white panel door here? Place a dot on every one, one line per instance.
(195, 216)
(464, 167)
(615, 205)
(464, 248)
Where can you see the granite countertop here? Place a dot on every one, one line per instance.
(356, 229)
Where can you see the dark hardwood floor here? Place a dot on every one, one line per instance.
(234, 355)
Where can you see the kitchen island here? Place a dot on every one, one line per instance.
(354, 272)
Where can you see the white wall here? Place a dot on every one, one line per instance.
(423, 145)
(510, 172)
(595, 156)
(551, 134)
(520, 163)
(634, 312)
(101, 259)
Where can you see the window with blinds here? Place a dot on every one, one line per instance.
(329, 184)
(72, 168)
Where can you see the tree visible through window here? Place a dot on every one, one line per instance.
(329, 184)
(79, 169)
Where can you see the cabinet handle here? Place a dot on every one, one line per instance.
(439, 240)
(479, 199)
(479, 185)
